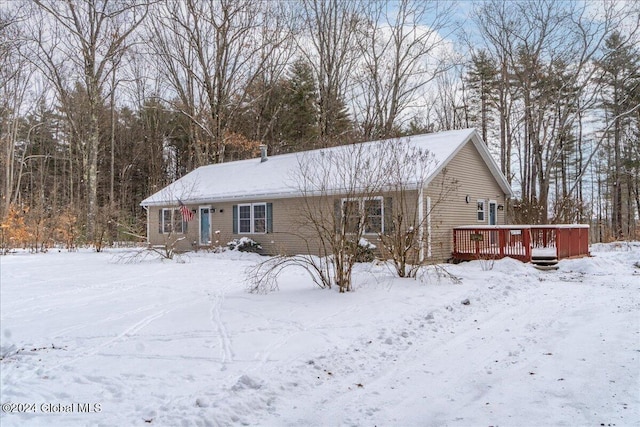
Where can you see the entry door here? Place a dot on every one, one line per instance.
(493, 220)
(493, 213)
(205, 225)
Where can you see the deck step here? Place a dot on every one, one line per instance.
(545, 267)
(544, 258)
(545, 262)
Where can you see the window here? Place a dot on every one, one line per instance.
(481, 210)
(369, 210)
(252, 218)
(171, 221)
(373, 216)
(351, 213)
(260, 218)
(244, 218)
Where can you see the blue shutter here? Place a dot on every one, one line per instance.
(388, 215)
(269, 217)
(160, 221)
(235, 219)
(337, 215)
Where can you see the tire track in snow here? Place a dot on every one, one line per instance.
(320, 328)
(378, 363)
(65, 331)
(122, 336)
(128, 332)
(226, 348)
(43, 300)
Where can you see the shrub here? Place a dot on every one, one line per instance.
(244, 244)
(364, 250)
(14, 233)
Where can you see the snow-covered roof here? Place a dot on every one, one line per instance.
(275, 178)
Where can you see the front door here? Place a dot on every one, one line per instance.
(205, 225)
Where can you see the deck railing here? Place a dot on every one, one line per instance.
(520, 241)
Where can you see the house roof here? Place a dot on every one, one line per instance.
(253, 179)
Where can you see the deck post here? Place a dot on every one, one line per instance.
(561, 240)
(526, 243)
(455, 241)
(502, 241)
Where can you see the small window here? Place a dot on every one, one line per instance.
(244, 218)
(166, 220)
(171, 221)
(260, 218)
(481, 210)
(373, 216)
(351, 212)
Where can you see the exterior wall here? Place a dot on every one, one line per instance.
(283, 239)
(466, 175)
(289, 235)
(183, 241)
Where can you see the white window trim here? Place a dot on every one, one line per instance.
(484, 210)
(173, 213)
(252, 218)
(361, 203)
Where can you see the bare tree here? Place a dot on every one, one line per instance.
(15, 81)
(354, 193)
(79, 43)
(545, 52)
(337, 187)
(327, 37)
(411, 199)
(401, 53)
(211, 52)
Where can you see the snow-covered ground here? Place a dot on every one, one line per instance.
(89, 341)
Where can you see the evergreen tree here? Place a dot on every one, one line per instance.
(621, 78)
(482, 80)
(300, 121)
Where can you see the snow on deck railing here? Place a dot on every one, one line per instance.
(520, 241)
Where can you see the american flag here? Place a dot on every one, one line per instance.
(187, 215)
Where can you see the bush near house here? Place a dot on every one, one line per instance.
(244, 244)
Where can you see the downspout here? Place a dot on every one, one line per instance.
(146, 208)
(421, 224)
(429, 227)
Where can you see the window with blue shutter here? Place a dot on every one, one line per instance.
(253, 218)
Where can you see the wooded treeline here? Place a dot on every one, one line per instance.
(103, 102)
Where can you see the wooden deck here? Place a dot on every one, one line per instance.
(521, 242)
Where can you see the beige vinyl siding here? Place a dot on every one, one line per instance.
(470, 176)
(182, 241)
(288, 234)
(286, 237)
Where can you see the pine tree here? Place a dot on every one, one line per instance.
(300, 122)
(621, 78)
(482, 80)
